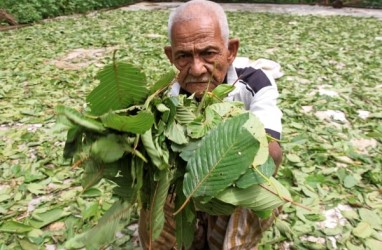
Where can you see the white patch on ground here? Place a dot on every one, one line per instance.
(323, 91)
(363, 145)
(337, 65)
(363, 114)
(36, 201)
(334, 217)
(50, 247)
(4, 188)
(81, 58)
(298, 80)
(313, 239)
(56, 226)
(333, 116)
(19, 126)
(134, 237)
(154, 36)
(307, 109)
(286, 245)
(378, 38)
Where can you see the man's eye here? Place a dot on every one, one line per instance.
(209, 54)
(182, 56)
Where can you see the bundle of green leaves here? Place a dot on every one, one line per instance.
(209, 155)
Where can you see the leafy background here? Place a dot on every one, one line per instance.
(331, 65)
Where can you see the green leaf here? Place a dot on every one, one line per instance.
(27, 245)
(184, 221)
(157, 156)
(92, 192)
(137, 124)
(363, 230)
(224, 154)
(222, 90)
(45, 218)
(157, 202)
(284, 228)
(73, 142)
(257, 197)
(175, 133)
(104, 232)
(107, 149)
(77, 118)
(91, 210)
(252, 176)
(201, 125)
(93, 173)
(184, 115)
(350, 181)
(121, 85)
(164, 81)
(15, 227)
(293, 158)
(256, 128)
(373, 244)
(214, 207)
(371, 217)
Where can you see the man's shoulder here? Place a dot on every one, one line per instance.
(256, 79)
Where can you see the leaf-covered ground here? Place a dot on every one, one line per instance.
(330, 96)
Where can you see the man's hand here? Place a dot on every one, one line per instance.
(276, 154)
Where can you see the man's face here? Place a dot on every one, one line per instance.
(199, 53)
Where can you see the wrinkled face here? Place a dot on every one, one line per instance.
(199, 53)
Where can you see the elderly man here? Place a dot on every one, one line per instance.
(202, 52)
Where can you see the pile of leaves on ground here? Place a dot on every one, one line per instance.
(330, 97)
(28, 11)
(209, 156)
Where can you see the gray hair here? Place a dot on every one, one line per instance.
(182, 13)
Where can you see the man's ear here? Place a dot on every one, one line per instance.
(233, 47)
(168, 52)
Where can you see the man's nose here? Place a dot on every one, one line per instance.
(198, 67)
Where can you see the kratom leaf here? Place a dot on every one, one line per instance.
(121, 85)
(129, 170)
(73, 141)
(224, 155)
(164, 81)
(93, 173)
(184, 115)
(188, 151)
(42, 219)
(256, 128)
(107, 149)
(107, 226)
(221, 91)
(363, 230)
(214, 207)
(154, 151)
(227, 109)
(175, 133)
(15, 227)
(201, 125)
(184, 221)
(77, 118)
(257, 197)
(137, 124)
(252, 176)
(157, 202)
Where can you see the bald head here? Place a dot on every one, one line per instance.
(199, 9)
